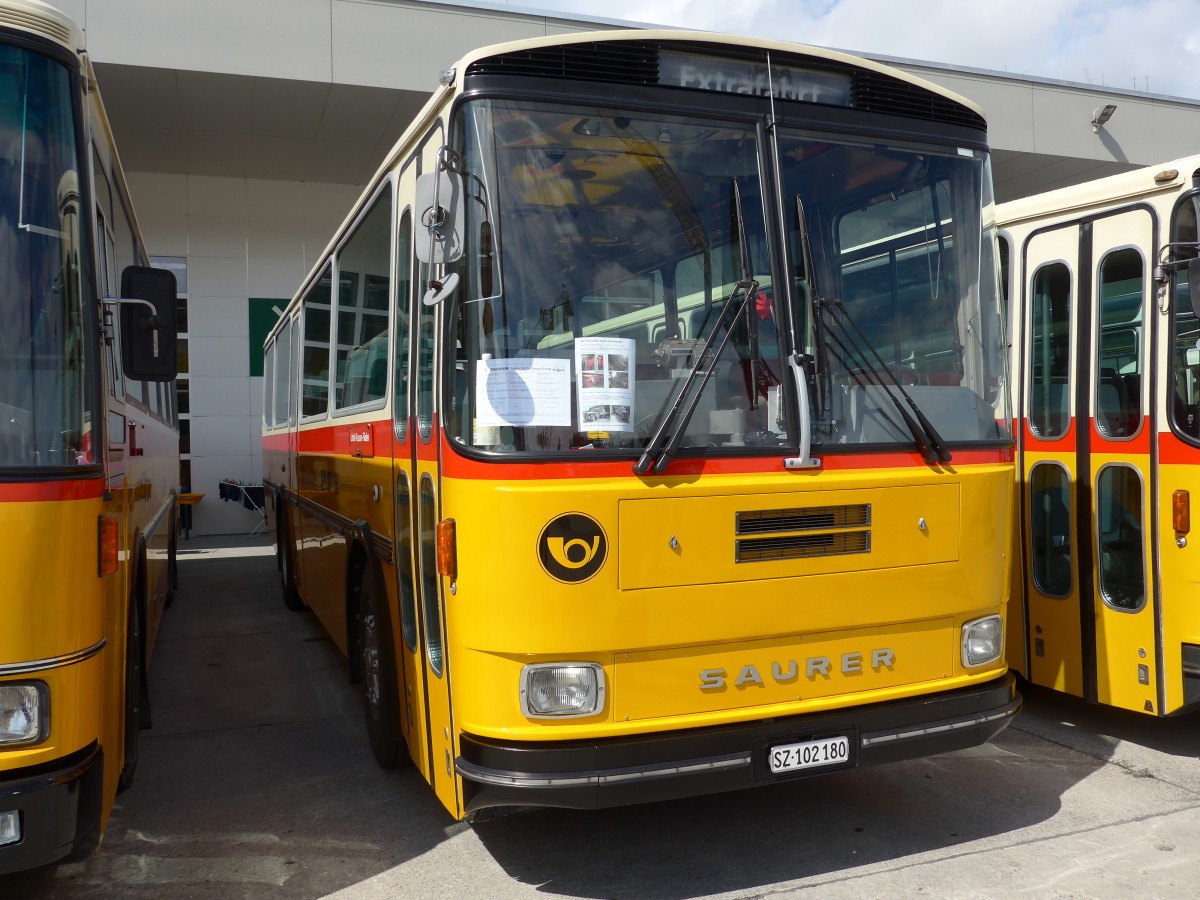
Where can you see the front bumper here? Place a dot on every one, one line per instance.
(667, 765)
(60, 809)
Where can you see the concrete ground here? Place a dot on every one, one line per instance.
(256, 781)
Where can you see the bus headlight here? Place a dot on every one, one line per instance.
(982, 641)
(24, 713)
(562, 690)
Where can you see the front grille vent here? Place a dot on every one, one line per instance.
(803, 546)
(804, 532)
(619, 62)
(762, 521)
(35, 20)
(876, 92)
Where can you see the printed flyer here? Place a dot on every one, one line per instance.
(522, 392)
(606, 383)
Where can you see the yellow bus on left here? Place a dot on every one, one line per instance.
(89, 449)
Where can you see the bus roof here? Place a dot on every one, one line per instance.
(41, 19)
(1167, 177)
(672, 36)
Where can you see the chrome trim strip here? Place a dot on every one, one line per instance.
(482, 775)
(379, 543)
(886, 737)
(55, 662)
(159, 517)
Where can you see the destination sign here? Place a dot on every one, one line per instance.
(735, 76)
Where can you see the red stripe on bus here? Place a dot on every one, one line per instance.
(455, 466)
(1065, 443)
(1173, 451)
(1100, 443)
(49, 491)
(333, 440)
(1138, 445)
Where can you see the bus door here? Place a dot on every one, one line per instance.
(1048, 459)
(407, 640)
(435, 665)
(1085, 461)
(425, 708)
(1120, 476)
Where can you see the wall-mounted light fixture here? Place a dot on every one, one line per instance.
(1100, 116)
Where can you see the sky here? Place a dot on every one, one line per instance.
(1144, 45)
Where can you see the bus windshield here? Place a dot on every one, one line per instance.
(901, 285)
(612, 255)
(45, 412)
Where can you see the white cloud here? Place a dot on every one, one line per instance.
(1128, 44)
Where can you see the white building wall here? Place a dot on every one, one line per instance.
(241, 238)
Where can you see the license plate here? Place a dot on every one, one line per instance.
(830, 751)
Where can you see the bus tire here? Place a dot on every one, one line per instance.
(381, 709)
(291, 596)
(132, 720)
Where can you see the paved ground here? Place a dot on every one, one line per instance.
(256, 782)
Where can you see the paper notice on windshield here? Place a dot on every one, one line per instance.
(522, 392)
(606, 383)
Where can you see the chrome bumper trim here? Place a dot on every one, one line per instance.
(472, 772)
(7, 670)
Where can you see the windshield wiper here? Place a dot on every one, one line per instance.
(703, 362)
(929, 442)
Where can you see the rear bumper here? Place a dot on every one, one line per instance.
(667, 765)
(59, 807)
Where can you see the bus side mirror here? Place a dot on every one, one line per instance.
(439, 209)
(1194, 285)
(148, 324)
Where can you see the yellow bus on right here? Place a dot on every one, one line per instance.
(1103, 283)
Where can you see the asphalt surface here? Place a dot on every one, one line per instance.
(256, 781)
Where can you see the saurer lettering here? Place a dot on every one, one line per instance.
(789, 670)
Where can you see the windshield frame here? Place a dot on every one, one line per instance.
(838, 123)
(90, 380)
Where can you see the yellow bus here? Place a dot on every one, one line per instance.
(1107, 387)
(643, 431)
(89, 449)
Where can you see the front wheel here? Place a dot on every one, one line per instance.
(376, 662)
(291, 596)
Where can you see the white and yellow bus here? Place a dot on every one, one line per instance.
(1107, 390)
(89, 449)
(643, 432)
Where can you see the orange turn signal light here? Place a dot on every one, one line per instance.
(106, 557)
(1181, 512)
(447, 549)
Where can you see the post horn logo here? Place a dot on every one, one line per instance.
(572, 548)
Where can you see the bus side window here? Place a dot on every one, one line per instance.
(314, 397)
(1185, 358)
(361, 320)
(1050, 352)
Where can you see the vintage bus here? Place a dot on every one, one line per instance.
(89, 452)
(644, 431)
(1103, 283)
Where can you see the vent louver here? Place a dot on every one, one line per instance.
(619, 62)
(879, 93)
(29, 19)
(804, 532)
